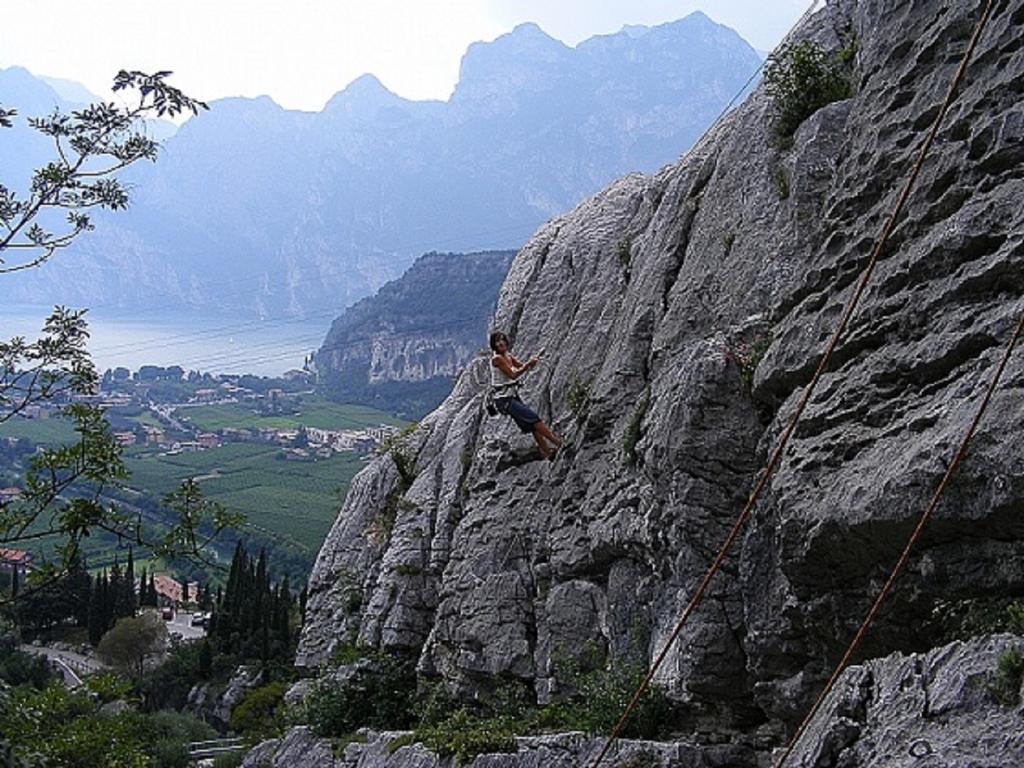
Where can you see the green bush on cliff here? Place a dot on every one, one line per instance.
(1009, 675)
(600, 695)
(464, 736)
(380, 697)
(801, 78)
(259, 715)
(578, 397)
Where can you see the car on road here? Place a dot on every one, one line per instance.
(167, 613)
(200, 619)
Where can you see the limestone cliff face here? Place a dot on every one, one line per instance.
(653, 300)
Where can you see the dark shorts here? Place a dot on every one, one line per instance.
(519, 411)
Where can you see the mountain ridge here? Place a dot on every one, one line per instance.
(400, 349)
(313, 211)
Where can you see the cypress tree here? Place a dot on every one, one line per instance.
(262, 580)
(101, 608)
(79, 588)
(264, 644)
(121, 601)
(282, 617)
(107, 598)
(231, 591)
(95, 612)
(143, 587)
(205, 659)
(201, 594)
(131, 600)
(114, 587)
(250, 597)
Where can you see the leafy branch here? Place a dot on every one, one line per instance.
(91, 145)
(65, 488)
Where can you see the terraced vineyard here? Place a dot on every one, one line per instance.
(294, 501)
(289, 504)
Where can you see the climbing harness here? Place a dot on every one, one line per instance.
(766, 473)
(500, 392)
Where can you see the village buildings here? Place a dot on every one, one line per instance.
(12, 560)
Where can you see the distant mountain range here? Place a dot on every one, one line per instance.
(253, 209)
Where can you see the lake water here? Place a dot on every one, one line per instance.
(214, 344)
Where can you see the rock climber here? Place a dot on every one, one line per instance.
(505, 372)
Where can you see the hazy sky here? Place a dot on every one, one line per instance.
(301, 52)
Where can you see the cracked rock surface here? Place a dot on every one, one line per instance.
(927, 709)
(682, 314)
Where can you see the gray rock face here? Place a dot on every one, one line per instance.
(929, 709)
(560, 751)
(654, 301)
(301, 748)
(214, 706)
(298, 748)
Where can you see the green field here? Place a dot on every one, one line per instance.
(313, 412)
(294, 501)
(42, 431)
(147, 419)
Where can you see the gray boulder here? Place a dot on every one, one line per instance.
(214, 705)
(298, 748)
(938, 708)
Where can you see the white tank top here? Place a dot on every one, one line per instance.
(499, 379)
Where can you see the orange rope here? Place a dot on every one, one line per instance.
(776, 456)
(901, 563)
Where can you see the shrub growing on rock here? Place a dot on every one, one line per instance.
(379, 696)
(801, 79)
(258, 714)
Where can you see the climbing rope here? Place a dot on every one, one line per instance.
(901, 563)
(776, 456)
(926, 515)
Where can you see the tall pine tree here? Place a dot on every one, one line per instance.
(252, 616)
(79, 587)
(122, 599)
(129, 584)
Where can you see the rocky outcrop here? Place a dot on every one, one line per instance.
(374, 750)
(937, 708)
(682, 315)
(895, 712)
(213, 704)
(400, 349)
